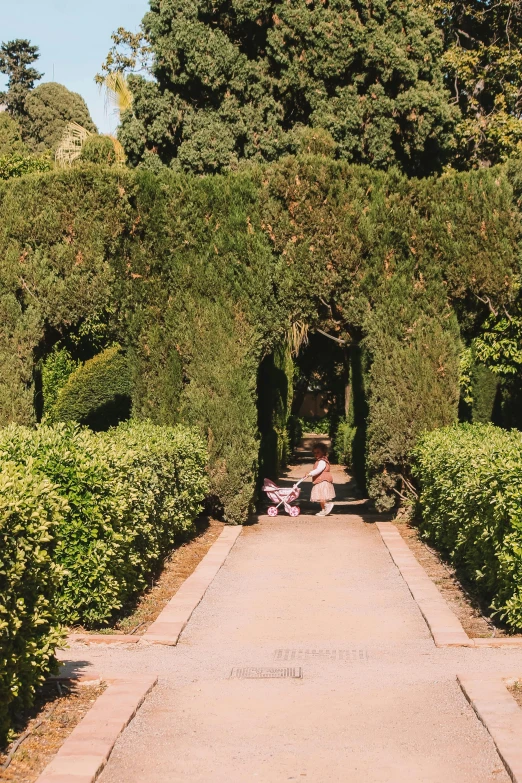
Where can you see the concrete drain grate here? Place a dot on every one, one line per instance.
(346, 656)
(263, 673)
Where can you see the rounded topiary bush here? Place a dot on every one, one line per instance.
(98, 393)
(99, 149)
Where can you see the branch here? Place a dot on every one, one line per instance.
(487, 300)
(409, 486)
(331, 337)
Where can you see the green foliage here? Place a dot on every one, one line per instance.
(343, 442)
(96, 393)
(239, 81)
(200, 278)
(294, 432)
(471, 502)
(48, 109)
(30, 512)
(16, 59)
(317, 426)
(413, 387)
(274, 395)
(484, 392)
(482, 62)
(127, 494)
(99, 149)
(11, 142)
(59, 235)
(499, 344)
(17, 165)
(56, 369)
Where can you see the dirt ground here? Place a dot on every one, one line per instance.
(59, 708)
(466, 607)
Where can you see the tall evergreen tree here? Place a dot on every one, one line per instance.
(240, 80)
(16, 59)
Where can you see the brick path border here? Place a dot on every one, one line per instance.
(86, 750)
(500, 714)
(172, 620)
(444, 625)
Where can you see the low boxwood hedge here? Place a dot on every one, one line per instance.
(129, 492)
(84, 519)
(471, 508)
(30, 512)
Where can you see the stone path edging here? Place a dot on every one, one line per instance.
(167, 628)
(500, 714)
(86, 751)
(444, 625)
(102, 638)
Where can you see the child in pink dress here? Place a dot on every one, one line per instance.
(323, 491)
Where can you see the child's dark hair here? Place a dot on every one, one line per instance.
(322, 448)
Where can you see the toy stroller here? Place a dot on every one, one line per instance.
(283, 497)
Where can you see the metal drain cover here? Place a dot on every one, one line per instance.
(263, 673)
(347, 656)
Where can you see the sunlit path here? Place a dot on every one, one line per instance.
(371, 698)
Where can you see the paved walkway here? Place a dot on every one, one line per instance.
(377, 702)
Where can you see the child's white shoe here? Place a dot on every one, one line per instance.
(328, 509)
(321, 513)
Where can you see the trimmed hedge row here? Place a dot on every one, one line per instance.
(30, 511)
(471, 502)
(129, 492)
(84, 519)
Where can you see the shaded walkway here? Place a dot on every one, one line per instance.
(376, 702)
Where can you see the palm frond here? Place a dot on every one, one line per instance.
(70, 147)
(297, 336)
(117, 93)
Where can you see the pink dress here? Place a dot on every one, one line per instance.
(323, 488)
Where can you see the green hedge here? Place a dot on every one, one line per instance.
(127, 494)
(201, 278)
(30, 513)
(471, 503)
(97, 393)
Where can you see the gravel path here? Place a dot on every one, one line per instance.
(377, 702)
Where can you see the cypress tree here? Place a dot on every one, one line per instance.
(239, 80)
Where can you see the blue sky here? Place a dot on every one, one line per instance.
(74, 39)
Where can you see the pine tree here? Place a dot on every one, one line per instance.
(239, 80)
(16, 58)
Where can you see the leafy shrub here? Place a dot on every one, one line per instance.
(56, 369)
(30, 511)
(98, 149)
(274, 395)
(97, 393)
(343, 442)
(317, 426)
(18, 164)
(471, 502)
(128, 492)
(294, 429)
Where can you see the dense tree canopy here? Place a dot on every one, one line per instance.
(240, 79)
(48, 109)
(483, 63)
